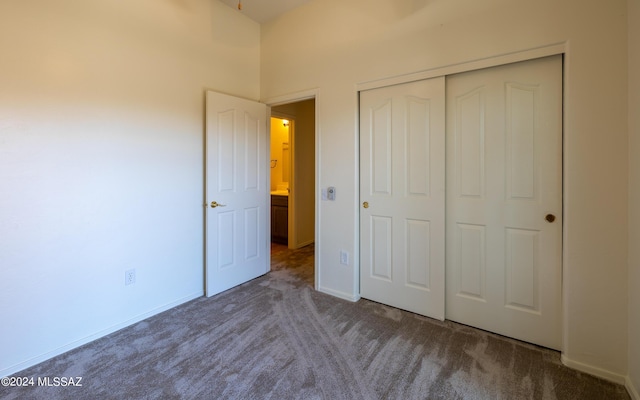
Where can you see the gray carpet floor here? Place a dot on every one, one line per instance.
(277, 338)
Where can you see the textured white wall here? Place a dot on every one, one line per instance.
(634, 195)
(337, 44)
(101, 160)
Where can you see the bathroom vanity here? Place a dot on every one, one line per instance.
(280, 218)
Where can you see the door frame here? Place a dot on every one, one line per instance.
(294, 98)
(499, 60)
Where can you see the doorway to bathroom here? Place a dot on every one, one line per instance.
(292, 179)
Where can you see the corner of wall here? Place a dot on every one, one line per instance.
(633, 391)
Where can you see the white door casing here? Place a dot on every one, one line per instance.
(402, 196)
(237, 245)
(504, 176)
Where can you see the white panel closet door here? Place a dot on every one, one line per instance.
(237, 247)
(504, 200)
(402, 196)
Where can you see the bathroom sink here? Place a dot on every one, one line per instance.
(280, 192)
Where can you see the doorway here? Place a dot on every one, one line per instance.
(280, 165)
(293, 172)
(237, 196)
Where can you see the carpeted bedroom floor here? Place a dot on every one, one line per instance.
(277, 338)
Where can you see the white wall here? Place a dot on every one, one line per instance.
(634, 196)
(338, 44)
(101, 160)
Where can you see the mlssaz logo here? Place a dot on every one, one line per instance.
(59, 381)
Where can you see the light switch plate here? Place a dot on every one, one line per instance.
(331, 193)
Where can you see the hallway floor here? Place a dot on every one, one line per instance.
(299, 262)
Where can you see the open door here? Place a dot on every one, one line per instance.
(237, 190)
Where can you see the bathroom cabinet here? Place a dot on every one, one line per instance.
(279, 219)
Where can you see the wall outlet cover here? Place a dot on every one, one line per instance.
(129, 277)
(344, 257)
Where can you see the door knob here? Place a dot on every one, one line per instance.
(215, 204)
(550, 218)
(365, 204)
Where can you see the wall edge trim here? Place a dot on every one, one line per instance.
(593, 370)
(342, 295)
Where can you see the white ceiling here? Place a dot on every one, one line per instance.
(263, 11)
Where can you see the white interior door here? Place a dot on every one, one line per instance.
(504, 200)
(402, 191)
(237, 246)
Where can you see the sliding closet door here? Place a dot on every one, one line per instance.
(504, 200)
(402, 196)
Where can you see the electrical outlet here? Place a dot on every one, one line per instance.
(130, 277)
(344, 257)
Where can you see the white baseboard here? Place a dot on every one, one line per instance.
(591, 370)
(345, 296)
(56, 352)
(633, 391)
